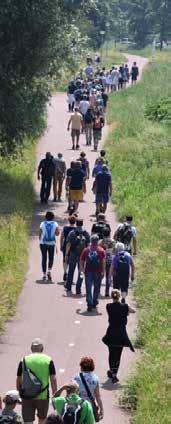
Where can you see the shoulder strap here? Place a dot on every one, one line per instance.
(86, 387)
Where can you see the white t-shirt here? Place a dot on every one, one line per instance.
(84, 105)
(48, 232)
(92, 382)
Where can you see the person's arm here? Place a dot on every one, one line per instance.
(134, 242)
(39, 169)
(68, 247)
(19, 377)
(68, 182)
(40, 233)
(99, 401)
(94, 186)
(132, 270)
(57, 232)
(61, 241)
(59, 391)
(103, 267)
(53, 382)
(111, 272)
(88, 170)
(69, 123)
(110, 188)
(131, 310)
(82, 262)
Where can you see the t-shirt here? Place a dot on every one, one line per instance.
(47, 167)
(105, 99)
(86, 416)
(52, 370)
(103, 181)
(101, 256)
(66, 230)
(60, 166)
(76, 120)
(77, 179)
(98, 123)
(89, 70)
(92, 381)
(54, 226)
(84, 105)
(118, 313)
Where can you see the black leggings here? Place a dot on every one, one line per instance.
(47, 251)
(115, 353)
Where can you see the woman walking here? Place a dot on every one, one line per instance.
(47, 236)
(116, 337)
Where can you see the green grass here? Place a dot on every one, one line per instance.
(16, 202)
(138, 154)
(111, 56)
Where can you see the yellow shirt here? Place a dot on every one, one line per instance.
(76, 119)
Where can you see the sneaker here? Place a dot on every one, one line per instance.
(77, 147)
(89, 309)
(44, 277)
(73, 147)
(54, 200)
(49, 276)
(109, 374)
(114, 379)
(65, 277)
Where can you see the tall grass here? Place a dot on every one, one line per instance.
(16, 201)
(138, 154)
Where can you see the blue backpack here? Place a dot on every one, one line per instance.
(93, 260)
(49, 235)
(122, 268)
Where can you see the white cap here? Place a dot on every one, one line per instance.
(13, 395)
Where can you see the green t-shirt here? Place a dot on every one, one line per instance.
(86, 417)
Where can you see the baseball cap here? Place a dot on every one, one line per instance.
(37, 342)
(13, 396)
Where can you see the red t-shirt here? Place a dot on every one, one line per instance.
(101, 256)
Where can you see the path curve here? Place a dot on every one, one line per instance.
(44, 310)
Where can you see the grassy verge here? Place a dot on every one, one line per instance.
(111, 56)
(17, 195)
(138, 151)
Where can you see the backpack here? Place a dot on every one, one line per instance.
(97, 124)
(79, 243)
(93, 261)
(31, 385)
(99, 228)
(49, 235)
(122, 268)
(124, 234)
(72, 413)
(7, 419)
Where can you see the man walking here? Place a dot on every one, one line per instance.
(102, 188)
(42, 367)
(76, 123)
(59, 176)
(77, 240)
(75, 181)
(46, 170)
(126, 233)
(92, 263)
(121, 269)
(134, 73)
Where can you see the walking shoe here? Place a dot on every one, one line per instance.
(44, 277)
(109, 374)
(89, 309)
(49, 276)
(65, 277)
(114, 379)
(54, 200)
(77, 147)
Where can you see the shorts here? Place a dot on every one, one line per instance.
(30, 406)
(102, 198)
(76, 195)
(123, 287)
(75, 133)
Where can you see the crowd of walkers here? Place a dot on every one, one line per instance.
(98, 255)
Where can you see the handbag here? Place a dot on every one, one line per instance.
(92, 400)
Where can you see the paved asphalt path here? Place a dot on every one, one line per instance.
(44, 310)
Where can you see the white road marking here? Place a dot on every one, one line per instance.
(71, 344)
(77, 322)
(61, 370)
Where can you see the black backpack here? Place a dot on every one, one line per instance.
(124, 234)
(7, 419)
(79, 242)
(72, 412)
(122, 268)
(99, 229)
